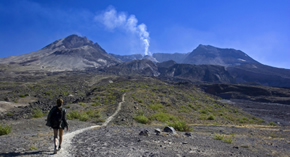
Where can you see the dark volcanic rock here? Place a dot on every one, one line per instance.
(206, 54)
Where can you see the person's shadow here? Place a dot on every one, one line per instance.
(40, 153)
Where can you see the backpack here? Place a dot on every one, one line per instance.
(56, 118)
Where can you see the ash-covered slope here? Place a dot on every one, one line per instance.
(136, 67)
(70, 53)
(177, 57)
(195, 73)
(206, 54)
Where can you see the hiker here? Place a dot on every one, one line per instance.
(56, 119)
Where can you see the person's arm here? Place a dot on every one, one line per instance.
(64, 119)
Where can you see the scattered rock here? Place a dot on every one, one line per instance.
(169, 129)
(187, 134)
(157, 131)
(236, 147)
(144, 133)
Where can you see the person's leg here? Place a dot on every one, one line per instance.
(60, 137)
(55, 131)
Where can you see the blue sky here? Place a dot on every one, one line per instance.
(259, 28)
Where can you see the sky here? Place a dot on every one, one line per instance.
(260, 28)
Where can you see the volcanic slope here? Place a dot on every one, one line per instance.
(70, 53)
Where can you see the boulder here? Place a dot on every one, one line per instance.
(169, 129)
(187, 134)
(144, 133)
(157, 131)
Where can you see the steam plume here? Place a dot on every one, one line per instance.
(113, 19)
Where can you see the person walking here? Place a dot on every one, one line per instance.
(56, 119)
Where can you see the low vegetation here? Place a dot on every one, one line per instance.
(5, 129)
(224, 138)
(84, 115)
(37, 113)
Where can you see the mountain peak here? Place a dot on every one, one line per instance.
(72, 41)
(207, 54)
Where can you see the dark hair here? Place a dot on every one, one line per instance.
(59, 102)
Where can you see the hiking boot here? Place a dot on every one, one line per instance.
(55, 150)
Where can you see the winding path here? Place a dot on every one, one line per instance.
(67, 138)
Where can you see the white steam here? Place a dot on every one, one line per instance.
(113, 19)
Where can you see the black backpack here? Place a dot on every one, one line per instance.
(56, 117)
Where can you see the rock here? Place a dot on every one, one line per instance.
(184, 142)
(187, 134)
(123, 119)
(236, 147)
(144, 133)
(169, 129)
(136, 108)
(157, 131)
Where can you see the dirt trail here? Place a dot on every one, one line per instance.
(67, 138)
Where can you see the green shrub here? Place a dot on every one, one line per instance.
(84, 117)
(202, 117)
(272, 124)
(211, 117)
(141, 119)
(180, 126)
(32, 148)
(5, 129)
(222, 137)
(203, 111)
(156, 106)
(93, 113)
(227, 140)
(9, 114)
(191, 106)
(73, 115)
(218, 137)
(37, 113)
(163, 117)
(82, 104)
(97, 103)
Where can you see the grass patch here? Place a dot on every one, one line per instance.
(184, 109)
(223, 138)
(5, 129)
(9, 114)
(272, 124)
(156, 106)
(211, 117)
(37, 113)
(84, 117)
(163, 117)
(203, 111)
(141, 119)
(218, 137)
(227, 140)
(82, 104)
(97, 103)
(180, 126)
(32, 148)
(73, 115)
